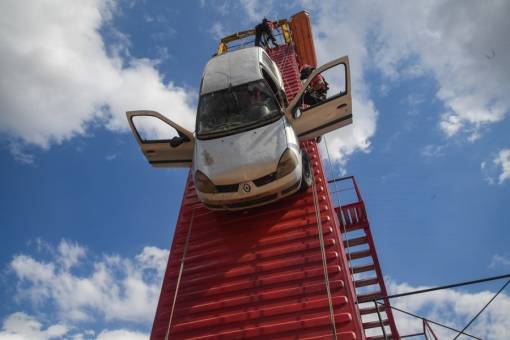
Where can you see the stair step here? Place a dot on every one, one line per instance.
(369, 297)
(371, 310)
(355, 241)
(359, 254)
(374, 324)
(345, 228)
(366, 282)
(363, 268)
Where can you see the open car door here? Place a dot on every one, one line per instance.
(163, 142)
(313, 115)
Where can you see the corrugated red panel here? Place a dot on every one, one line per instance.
(257, 273)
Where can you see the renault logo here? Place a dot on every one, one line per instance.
(246, 187)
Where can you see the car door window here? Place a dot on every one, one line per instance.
(162, 142)
(324, 103)
(327, 85)
(152, 130)
(273, 87)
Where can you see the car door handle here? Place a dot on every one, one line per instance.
(341, 106)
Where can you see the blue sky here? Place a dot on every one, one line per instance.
(83, 214)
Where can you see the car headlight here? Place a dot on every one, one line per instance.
(287, 163)
(203, 183)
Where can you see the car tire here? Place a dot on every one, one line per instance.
(306, 177)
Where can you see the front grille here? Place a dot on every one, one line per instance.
(265, 179)
(258, 182)
(227, 188)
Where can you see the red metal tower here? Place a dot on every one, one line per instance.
(279, 271)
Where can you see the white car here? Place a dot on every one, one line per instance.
(245, 150)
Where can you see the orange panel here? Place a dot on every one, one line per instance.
(301, 28)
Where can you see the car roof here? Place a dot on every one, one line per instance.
(232, 69)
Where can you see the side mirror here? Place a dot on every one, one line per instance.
(177, 140)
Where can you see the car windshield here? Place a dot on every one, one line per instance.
(236, 108)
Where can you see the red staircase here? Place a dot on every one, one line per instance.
(363, 262)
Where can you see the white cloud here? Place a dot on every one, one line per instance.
(116, 288)
(121, 335)
(255, 9)
(112, 288)
(432, 151)
(503, 162)
(499, 261)
(19, 154)
(70, 254)
(217, 30)
(453, 308)
(497, 169)
(21, 326)
(18, 326)
(111, 157)
(223, 7)
(126, 289)
(58, 79)
(152, 258)
(450, 41)
(414, 99)
(334, 23)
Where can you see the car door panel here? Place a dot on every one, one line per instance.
(326, 116)
(176, 151)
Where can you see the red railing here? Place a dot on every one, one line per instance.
(363, 261)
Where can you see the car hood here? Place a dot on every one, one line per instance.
(241, 157)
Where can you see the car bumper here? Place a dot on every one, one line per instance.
(256, 196)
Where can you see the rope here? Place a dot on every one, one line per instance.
(340, 209)
(480, 312)
(323, 253)
(344, 230)
(181, 269)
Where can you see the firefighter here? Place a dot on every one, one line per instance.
(317, 90)
(265, 29)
